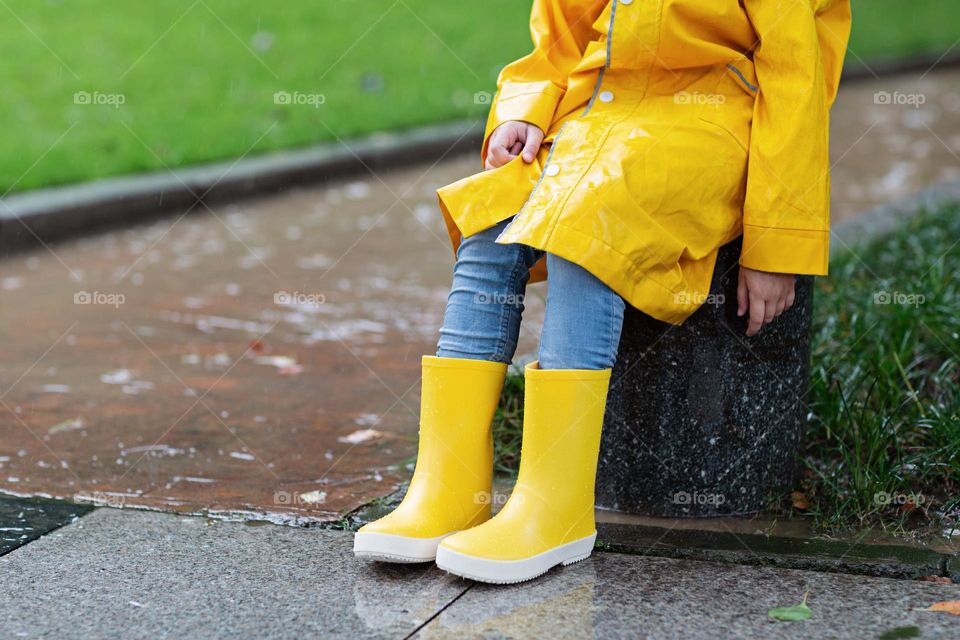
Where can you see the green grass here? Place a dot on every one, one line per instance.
(199, 83)
(891, 28)
(883, 444)
(884, 448)
(508, 426)
(198, 79)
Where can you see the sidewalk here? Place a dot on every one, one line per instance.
(117, 573)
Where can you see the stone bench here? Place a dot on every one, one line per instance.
(701, 420)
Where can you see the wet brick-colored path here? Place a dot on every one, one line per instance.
(261, 359)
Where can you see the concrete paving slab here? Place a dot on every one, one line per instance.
(124, 574)
(120, 573)
(623, 596)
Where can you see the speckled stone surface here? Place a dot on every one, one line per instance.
(702, 420)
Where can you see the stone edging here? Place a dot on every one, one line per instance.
(883, 220)
(811, 554)
(57, 212)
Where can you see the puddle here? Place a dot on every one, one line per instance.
(22, 521)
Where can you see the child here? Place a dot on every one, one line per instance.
(636, 139)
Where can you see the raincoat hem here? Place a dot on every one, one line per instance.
(636, 285)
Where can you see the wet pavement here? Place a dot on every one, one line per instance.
(893, 136)
(260, 360)
(23, 520)
(125, 574)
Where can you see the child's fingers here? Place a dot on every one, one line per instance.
(770, 311)
(757, 313)
(781, 307)
(497, 155)
(742, 296)
(532, 143)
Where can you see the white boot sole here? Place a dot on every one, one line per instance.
(511, 571)
(387, 547)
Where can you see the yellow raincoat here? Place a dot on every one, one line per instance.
(673, 126)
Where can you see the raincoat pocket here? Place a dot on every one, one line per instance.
(481, 200)
(732, 102)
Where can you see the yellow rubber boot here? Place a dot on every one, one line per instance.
(451, 483)
(549, 518)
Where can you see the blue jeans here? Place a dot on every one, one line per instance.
(581, 329)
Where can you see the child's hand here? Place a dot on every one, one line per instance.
(510, 139)
(766, 295)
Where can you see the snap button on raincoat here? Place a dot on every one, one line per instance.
(672, 127)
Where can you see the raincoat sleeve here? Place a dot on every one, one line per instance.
(786, 213)
(530, 88)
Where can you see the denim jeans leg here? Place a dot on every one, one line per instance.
(583, 320)
(484, 308)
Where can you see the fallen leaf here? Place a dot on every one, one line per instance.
(900, 633)
(792, 614)
(908, 506)
(950, 606)
(800, 500)
(937, 579)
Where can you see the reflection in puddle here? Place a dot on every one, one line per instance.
(559, 604)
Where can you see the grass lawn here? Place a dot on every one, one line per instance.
(197, 78)
(884, 446)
